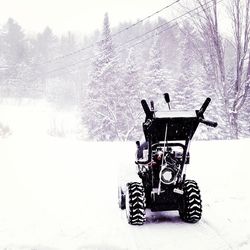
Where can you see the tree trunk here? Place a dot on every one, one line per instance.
(234, 125)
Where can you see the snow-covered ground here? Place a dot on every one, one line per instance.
(61, 193)
(28, 118)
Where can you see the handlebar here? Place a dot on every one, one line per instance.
(199, 113)
(146, 109)
(208, 123)
(203, 107)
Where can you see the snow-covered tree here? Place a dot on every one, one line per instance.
(133, 94)
(155, 80)
(233, 94)
(46, 45)
(187, 90)
(104, 94)
(14, 49)
(71, 77)
(45, 49)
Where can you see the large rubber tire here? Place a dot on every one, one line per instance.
(190, 205)
(135, 203)
(121, 198)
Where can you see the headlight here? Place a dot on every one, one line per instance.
(168, 175)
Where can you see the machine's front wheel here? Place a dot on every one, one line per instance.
(190, 205)
(135, 203)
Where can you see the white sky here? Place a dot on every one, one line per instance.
(82, 16)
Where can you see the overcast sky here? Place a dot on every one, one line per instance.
(82, 16)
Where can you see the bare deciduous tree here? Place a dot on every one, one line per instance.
(213, 54)
(239, 11)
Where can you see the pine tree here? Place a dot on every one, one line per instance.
(14, 46)
(46, 45)
(133, 94)
(155, 80)
(45, 49)
(69, 90)
(104, 95)
(189, 87)
(15, 50)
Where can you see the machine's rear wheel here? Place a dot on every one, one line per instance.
(190, 206)
(121, 198)
(135, 203)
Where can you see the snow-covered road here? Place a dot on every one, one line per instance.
(62, 194)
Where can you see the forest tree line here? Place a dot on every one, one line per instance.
(107, 75)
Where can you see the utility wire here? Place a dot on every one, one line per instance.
(142, 20)
(121, 46)
(167, 23)
(112, 35)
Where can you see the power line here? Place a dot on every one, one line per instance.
(113, 35)
(167, 23)
(142, 20)
(121, 46)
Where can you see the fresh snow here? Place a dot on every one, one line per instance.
(61, 193)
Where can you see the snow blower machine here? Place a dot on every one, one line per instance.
(161, 165)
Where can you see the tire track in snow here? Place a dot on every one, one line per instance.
(164, 230)
(213, 232)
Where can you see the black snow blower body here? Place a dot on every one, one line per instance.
(161, 165)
